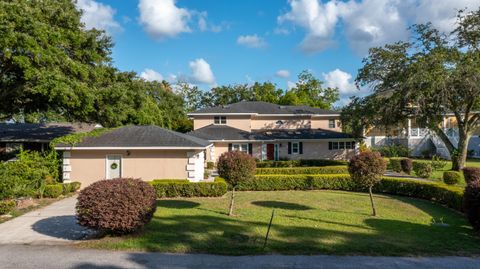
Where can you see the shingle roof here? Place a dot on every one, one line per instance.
(227, 133)
(142, 136)
(257, 107)
(40, 132)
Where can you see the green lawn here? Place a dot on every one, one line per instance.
(438, 174)
(306, 222)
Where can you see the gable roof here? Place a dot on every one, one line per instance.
(40, 132)
(258, 107)
(222, 132)
(144, 137)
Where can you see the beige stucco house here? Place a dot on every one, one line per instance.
(273, 132)
(146, 152)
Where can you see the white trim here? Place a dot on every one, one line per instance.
(298, 148)
(106, 164)
(127, 148)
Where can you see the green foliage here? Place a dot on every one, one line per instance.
(6, 206)
(28, 175)
(75, 138)
(471, 203)
(407, 165)
(210, 165)
(452, 177)
(235, 167)
(300, 163)
(184, 188)
(471, 174)
(422, 169)
(339, 169)
(438, 163)
(298, 182)
(393, 151)
(70, 187)
(396, 164)
(367, 168)
(53, 190)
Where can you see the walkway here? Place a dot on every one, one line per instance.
(52, 257)
(52, 225)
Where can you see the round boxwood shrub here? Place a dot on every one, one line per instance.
(407, 165)
(53, 190)
(451, 177)
(471, 174)
(422, 169)
(471, 203)
(116, 206)
(395, 164)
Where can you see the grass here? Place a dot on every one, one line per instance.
(438, 174)
(305, 222)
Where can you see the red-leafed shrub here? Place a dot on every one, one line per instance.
(236, 167)
(471, 174)
(407, 165)
(367, 169)
(471, 203)
(116, 206)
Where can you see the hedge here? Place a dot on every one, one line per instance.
(6, 206)
(300, 163)
(447, 195)
(53, 190)
(396, 164)
(337, 169)
(184, 188)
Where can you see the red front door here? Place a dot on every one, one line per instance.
(270, 151)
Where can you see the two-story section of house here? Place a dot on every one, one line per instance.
(273, 132)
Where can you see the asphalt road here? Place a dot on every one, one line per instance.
(51, 257)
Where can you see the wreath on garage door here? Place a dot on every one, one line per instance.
(114, 166)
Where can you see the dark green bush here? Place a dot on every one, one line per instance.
(300, 163)
(338, 169)
(184, 188)
(471, 203)
(297, 182)
(116, 206)
(452, 177)
(6, 206)
(407, 165)
(471, 174)
(422, 169)
(210, 165)
(53, 190)
(396, 164)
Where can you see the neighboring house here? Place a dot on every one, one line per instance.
(421, 140)
(273, 132)
(36, 136)
(146, 152)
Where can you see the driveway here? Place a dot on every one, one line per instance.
(52, 225)
(35, 257)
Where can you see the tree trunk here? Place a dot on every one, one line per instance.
(459, 157)
(230, 212)
(374, 211)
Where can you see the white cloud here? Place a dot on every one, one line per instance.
(282, 73)
(201, 72)
(98, 15)
(151, 75)
(163, 19)
(251, 41)
(368, 23)
(341, 80)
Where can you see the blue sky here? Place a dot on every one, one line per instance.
(217, 42)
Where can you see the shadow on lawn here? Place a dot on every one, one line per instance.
(281, 205)
(178, 204)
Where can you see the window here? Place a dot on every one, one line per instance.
(240, 147)
(341, 145)
(331, 124)
(295, 148)
(220, 120)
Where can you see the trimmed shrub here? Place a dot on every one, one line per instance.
(339, 169)
(452, 177)
(210, 165)
(53, 190)
(471, 174)
(71, 187)
(298, 182)
(300, 163)
(6, 206)
(184, 188)
(116, 206)
(396, 165)
(407, 165)
(422, 169)
(471, 203)
(438, 163)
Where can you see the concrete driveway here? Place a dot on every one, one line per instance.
(52, 225)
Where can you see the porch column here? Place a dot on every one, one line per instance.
(66, 168)
(409, 127)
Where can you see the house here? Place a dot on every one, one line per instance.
(272, 132)
(419, 140)
(146, 152)
(36, 136)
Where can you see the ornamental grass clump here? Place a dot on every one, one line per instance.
(116, 206)
(367, 169)
(236, 167)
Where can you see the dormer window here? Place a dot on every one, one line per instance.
(331, 123)
(220, 120)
